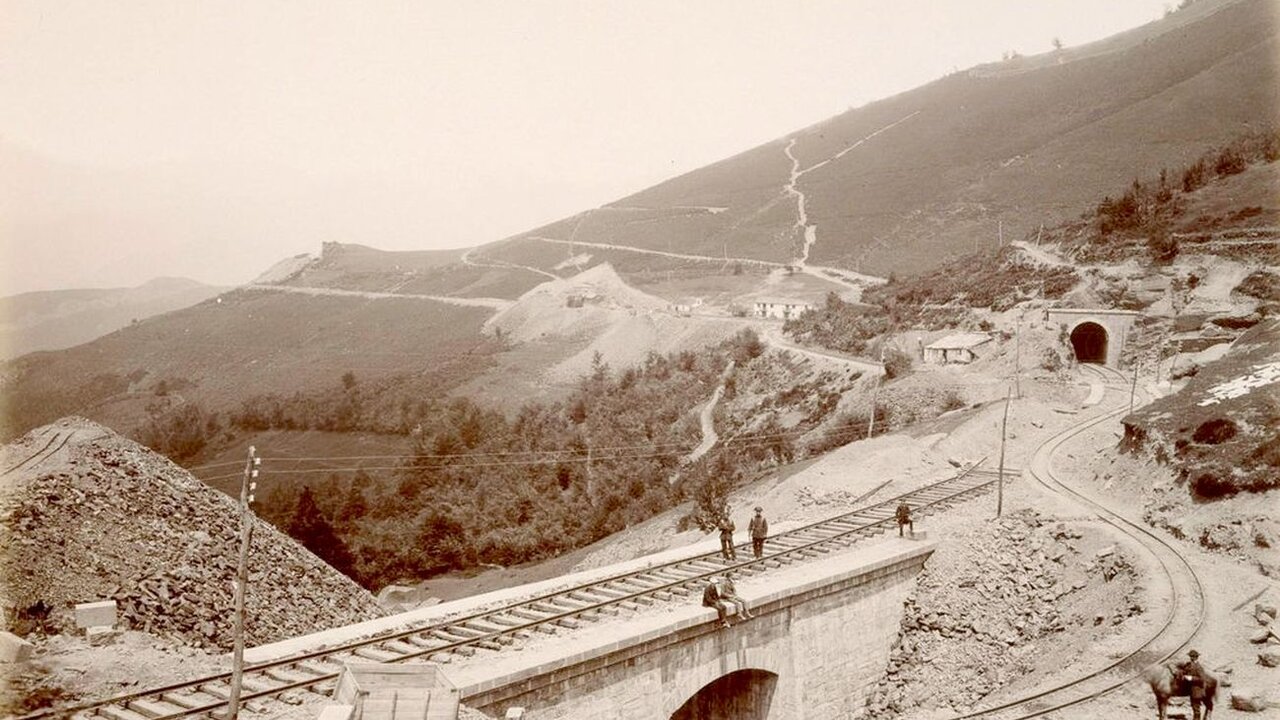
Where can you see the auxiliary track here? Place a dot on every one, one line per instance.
(1183, 619)
(496, 629)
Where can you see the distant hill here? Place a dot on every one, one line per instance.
(62, 318)
(903, 184)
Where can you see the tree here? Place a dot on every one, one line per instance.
(310, 528)
(179, 433)
(1057, 44)
(348, 380)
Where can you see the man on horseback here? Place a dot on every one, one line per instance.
(1191, 681)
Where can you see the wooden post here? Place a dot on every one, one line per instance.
(871, 422)
(1017, 356)
(242, 580)
(1000, 476)
(1133, 389)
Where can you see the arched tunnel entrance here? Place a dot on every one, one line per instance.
(1089, 340)
(740, 695)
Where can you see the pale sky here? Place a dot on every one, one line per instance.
(210, 139)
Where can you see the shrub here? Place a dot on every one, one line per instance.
(1213, 432)
(896, 363)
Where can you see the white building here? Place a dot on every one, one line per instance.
(779, 308)
(958, 348)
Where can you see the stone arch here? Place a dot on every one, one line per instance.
(742, 694)
(1089, 341)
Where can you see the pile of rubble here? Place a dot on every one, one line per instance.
(986, 602)
(119, 522)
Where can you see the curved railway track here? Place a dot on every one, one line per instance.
(494, 630)
(57, 440)
(1182, 621)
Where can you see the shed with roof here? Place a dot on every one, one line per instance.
(957, 348)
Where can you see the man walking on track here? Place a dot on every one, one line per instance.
(903, 513)
(759, 528)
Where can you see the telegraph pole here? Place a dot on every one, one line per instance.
(1133, 388)
(871, 422)
(1017, 356)
(1000, 476)
(248, 485)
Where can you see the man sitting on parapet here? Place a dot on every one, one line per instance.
(711, 598)
(729, 594)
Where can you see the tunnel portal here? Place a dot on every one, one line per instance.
(1089, 340)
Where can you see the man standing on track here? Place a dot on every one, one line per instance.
(726, 537)
(759, 528)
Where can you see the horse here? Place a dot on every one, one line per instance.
(1165, 683)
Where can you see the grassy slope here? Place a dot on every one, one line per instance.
(62, 318)
(986, 147)
(252, 342)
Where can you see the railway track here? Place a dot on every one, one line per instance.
(1183, 618)
(1108, 375)
(57, 440)
(494, 630)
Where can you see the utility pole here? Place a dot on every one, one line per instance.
(1017, 355)
(1000, 237)
(248, 485)
(871, 422)
(1133, 389)
(1000, 476)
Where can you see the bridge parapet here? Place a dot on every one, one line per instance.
(819, 641)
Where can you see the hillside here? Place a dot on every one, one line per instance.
(57, 319)
(902, 184)
(246, 342)
(1222, 431)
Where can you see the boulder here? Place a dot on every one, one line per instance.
(13, 649)
(96, 614)
(1269, 659)
(101, 635)
(1248, 701)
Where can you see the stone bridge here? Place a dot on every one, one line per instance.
(1097, 336)
(819, 642)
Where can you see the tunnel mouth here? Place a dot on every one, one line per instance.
(1089, 341)
(741, 694)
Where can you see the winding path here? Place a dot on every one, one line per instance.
(707, 418)
(802, 220)
(645, 251)
(502, 264)
(491, 303)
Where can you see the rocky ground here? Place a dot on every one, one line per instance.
(995, 602)
(108, 519)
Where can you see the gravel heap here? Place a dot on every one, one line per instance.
(116, 520)
(988, 606)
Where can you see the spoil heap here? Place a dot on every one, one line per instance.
(989, 609)
(109, 518)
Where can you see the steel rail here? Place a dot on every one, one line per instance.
(43, 450)
(1053, 484)
(494, 628)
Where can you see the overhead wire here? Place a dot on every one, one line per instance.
(739, 441)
